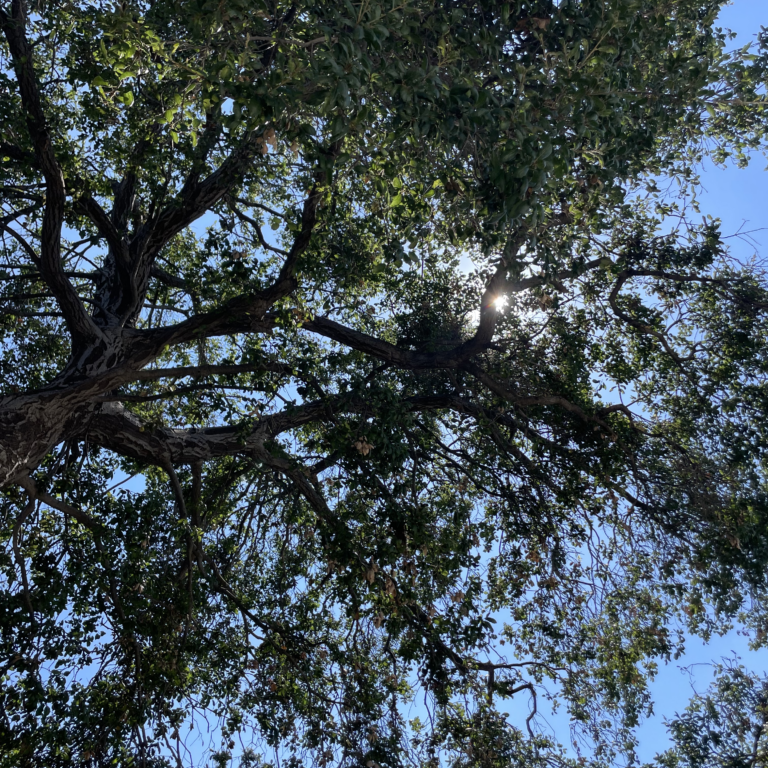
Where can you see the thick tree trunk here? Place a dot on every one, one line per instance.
(30, 426)
(33, 423)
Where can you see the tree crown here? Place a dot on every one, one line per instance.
(420, 394)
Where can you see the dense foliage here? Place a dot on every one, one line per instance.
(368, 380)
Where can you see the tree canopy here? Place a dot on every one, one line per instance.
(369, 380)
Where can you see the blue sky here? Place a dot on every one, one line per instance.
(739, 198)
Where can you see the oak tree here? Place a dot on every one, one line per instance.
(368, 378)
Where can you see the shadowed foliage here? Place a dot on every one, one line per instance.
(360, 391)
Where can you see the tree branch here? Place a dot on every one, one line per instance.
(194, 200)
(166, 277)
(82, 517)
(389, 353)
(23, 515)
(255, 225)
(636, 324)
(528, 400)
(80, 325)
(568, 274)
(456, 357)
(103, 223)
(118, 429)
(200, 371)
(28, 249)
(246, 314)
(6, 220)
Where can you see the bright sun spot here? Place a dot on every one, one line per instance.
(500, 302)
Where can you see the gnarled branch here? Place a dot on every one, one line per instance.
(78, 321)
